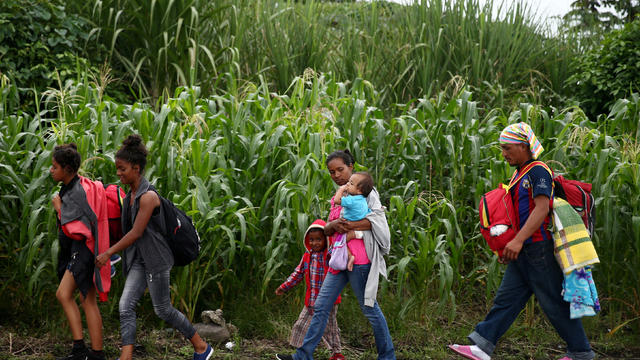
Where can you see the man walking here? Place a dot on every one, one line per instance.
(532, 267)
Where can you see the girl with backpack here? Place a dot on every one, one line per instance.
(83, 233)
(147, 258)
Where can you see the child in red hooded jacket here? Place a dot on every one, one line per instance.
(313, 267)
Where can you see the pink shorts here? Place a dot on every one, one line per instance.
(356, 246)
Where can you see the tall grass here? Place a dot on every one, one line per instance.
(249, 167)
(413, 51)
(406, 52)
(161, 44)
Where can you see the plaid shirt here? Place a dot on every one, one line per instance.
(315, 267)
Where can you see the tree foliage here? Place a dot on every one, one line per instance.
(589, 15)
(609, 72)
(36, 39)
(585, 16)
(628, 9)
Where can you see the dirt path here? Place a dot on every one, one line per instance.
(157, 344)
(168, 344)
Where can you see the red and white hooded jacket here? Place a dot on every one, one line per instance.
(313, 267)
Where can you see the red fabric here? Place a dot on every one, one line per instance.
(115, 195)
(76, 230)
(496, 208)
(578, 195)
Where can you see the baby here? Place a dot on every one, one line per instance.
(354, 204)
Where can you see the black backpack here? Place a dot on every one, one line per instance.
(182, 235)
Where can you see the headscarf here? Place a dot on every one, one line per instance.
(521, 133)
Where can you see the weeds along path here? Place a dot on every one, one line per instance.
(537, 341)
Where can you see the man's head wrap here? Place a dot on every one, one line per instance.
(521, 133)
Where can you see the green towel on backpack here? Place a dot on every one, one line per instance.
(573, 246)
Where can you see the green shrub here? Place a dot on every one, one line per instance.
(406, 52)
(609, 72)
(38, 37)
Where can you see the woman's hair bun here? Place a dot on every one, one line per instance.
(353, 160)
(73, 146)
(133, 151)
(133, 140)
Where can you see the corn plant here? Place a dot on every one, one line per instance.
(248, 166)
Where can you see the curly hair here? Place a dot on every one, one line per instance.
(67, 156)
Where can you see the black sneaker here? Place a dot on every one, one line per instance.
(284, 357)
(75, 355)
(92, 355)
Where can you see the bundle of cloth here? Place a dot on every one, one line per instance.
(576, 254)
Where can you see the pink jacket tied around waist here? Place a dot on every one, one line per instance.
(83, 216)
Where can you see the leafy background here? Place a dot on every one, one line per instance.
(240, 102)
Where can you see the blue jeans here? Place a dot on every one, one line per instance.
(138, 279)
(535, 271)
(331, 288)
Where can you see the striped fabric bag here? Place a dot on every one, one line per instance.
(573, 246)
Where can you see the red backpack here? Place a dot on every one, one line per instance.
(497, 214)
(496, 209)
(578, 195)
(115, 196)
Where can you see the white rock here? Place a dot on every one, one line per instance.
(213, 317)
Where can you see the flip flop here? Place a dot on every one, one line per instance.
(464, 350)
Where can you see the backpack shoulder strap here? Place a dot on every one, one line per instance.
(525, 170)
(120, 198)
